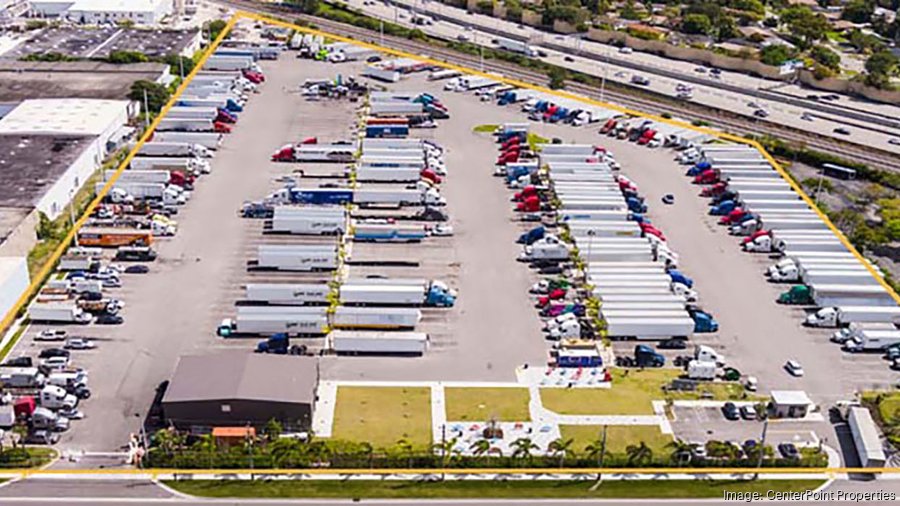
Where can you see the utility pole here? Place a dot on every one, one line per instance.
(762, 446)
(600, 460)
(381, 31)
(181, 67)
(146, 110)
(603, 77)
(72, 194)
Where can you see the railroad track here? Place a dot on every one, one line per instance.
(615, 94)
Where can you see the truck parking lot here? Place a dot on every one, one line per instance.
(492, 329)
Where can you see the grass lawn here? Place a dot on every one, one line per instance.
(482, 404)
(618, 437)
(631, 393)
(485, 129)
(383, 415)
(527, 489)
(889, 409)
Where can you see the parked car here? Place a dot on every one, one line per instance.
(79, 343)
(19, 362)
(72, 413)
(789, 451)
(137, 269)
(673, 344)
(54, 352)
(51, 335)
(730, 411)
(41, 437)
(80, 391)
(108, 319)
(794, 368)
(668, 199)
(748, 412)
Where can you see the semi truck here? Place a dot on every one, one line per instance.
(872, 340)
(352, 317)
(429, 294)
(845, 315)
(297, 257)
(517, 46)
(339, 153)
(114, 237)
(207, 140)
(366, 232)
(58, 313)
(652, 329)
(175, 149)
(287, 294)
(837, 295)
(261, 320)
(192, 125)
(188, 165)
(343, 342)
(866, 437)
(388, 175)
(789, 271)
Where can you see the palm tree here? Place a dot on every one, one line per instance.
(595, 450)
(638, 454)
(406, 447)
(522, 448)
(480, 447)
(560, 448)
(681, 451)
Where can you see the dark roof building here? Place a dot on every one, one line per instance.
(236, 388)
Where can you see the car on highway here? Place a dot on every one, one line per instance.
(730, 411)
(701, 70)
(789, 451)
(761, 113)
(895, 141)
(462, 37)
(715, 72)
(568, 59)
(753, 105)
(842, 131)
(51, 335)
(794, 368)
(806, 117)
(625, 50)
(641, 80)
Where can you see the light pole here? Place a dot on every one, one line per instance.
(590, 234)
(72, 193)
(762, 447)
(381, 31)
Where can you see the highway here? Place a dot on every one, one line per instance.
(726, 118)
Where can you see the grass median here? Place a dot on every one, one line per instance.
(383, 416)
(482, 404)
(484, 489)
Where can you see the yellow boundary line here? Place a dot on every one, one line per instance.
(45, 271)
(41, 276)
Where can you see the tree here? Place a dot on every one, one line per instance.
(696, 24)
(178, 64)
(480, 447)
(557, 77)
(214, 28)
(560, 448)
(307, 6)
(681, 451)
(826, 57)
(126, 57)
(879, 69)
(522, 448)
(273, 430)
(405, 447)
(157, 94)
(638, 454)
(595, 450)
(865, 42)
(859, 11)
(807, 26)
(775, 54)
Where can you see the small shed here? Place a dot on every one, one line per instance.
(226, 437)
(790, 404)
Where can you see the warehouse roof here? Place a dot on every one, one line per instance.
(790, 398)
(117, 5)
(72, 116)
(21, 80)
(30, 164)
(79, 42)
(236, 374)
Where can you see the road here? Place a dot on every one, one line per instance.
(143, 493)
(719, 93)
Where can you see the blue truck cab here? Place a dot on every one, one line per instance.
(638, 218)
(233, 106)
(438, 297)
(678, 277)
(635, 205)
(723, 208)
(276, 343)
(256, 210)
(528, 238)
(704, 322)
(515, 171)
(320, 196)
(645, 356)
(698, 168)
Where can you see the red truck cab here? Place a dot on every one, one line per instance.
(649, 229)
(732, 217)
(531, 204)
(714, 190)
(254, 77)
(221, 128)
(430, 175)
(754, 235)
(508, 157)
(646, 137)
(527, 191)
(709, 176)
(608, 126)
(284, 154)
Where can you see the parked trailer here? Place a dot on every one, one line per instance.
(349, 317)
(381, 74)
(204, 113)
(845, 315)
(288, 294)
(390, 108)
(174, 149)
(851, 295)
(416, 293)
(388, 175)
(838, 277)
(263, 320)
(228, 63)
(642, 298)
(866, 438)
(566, 149)
(297, 257)
(207, 140)
(649, 329)
(57, 313)
(344, 342)
(438, 75)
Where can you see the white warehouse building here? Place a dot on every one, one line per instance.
(81, 132)
(14, 279)
(93, 12)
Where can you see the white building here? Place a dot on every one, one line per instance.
(12, 9)
(93, 12)
(89, 124)
(14, 279)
